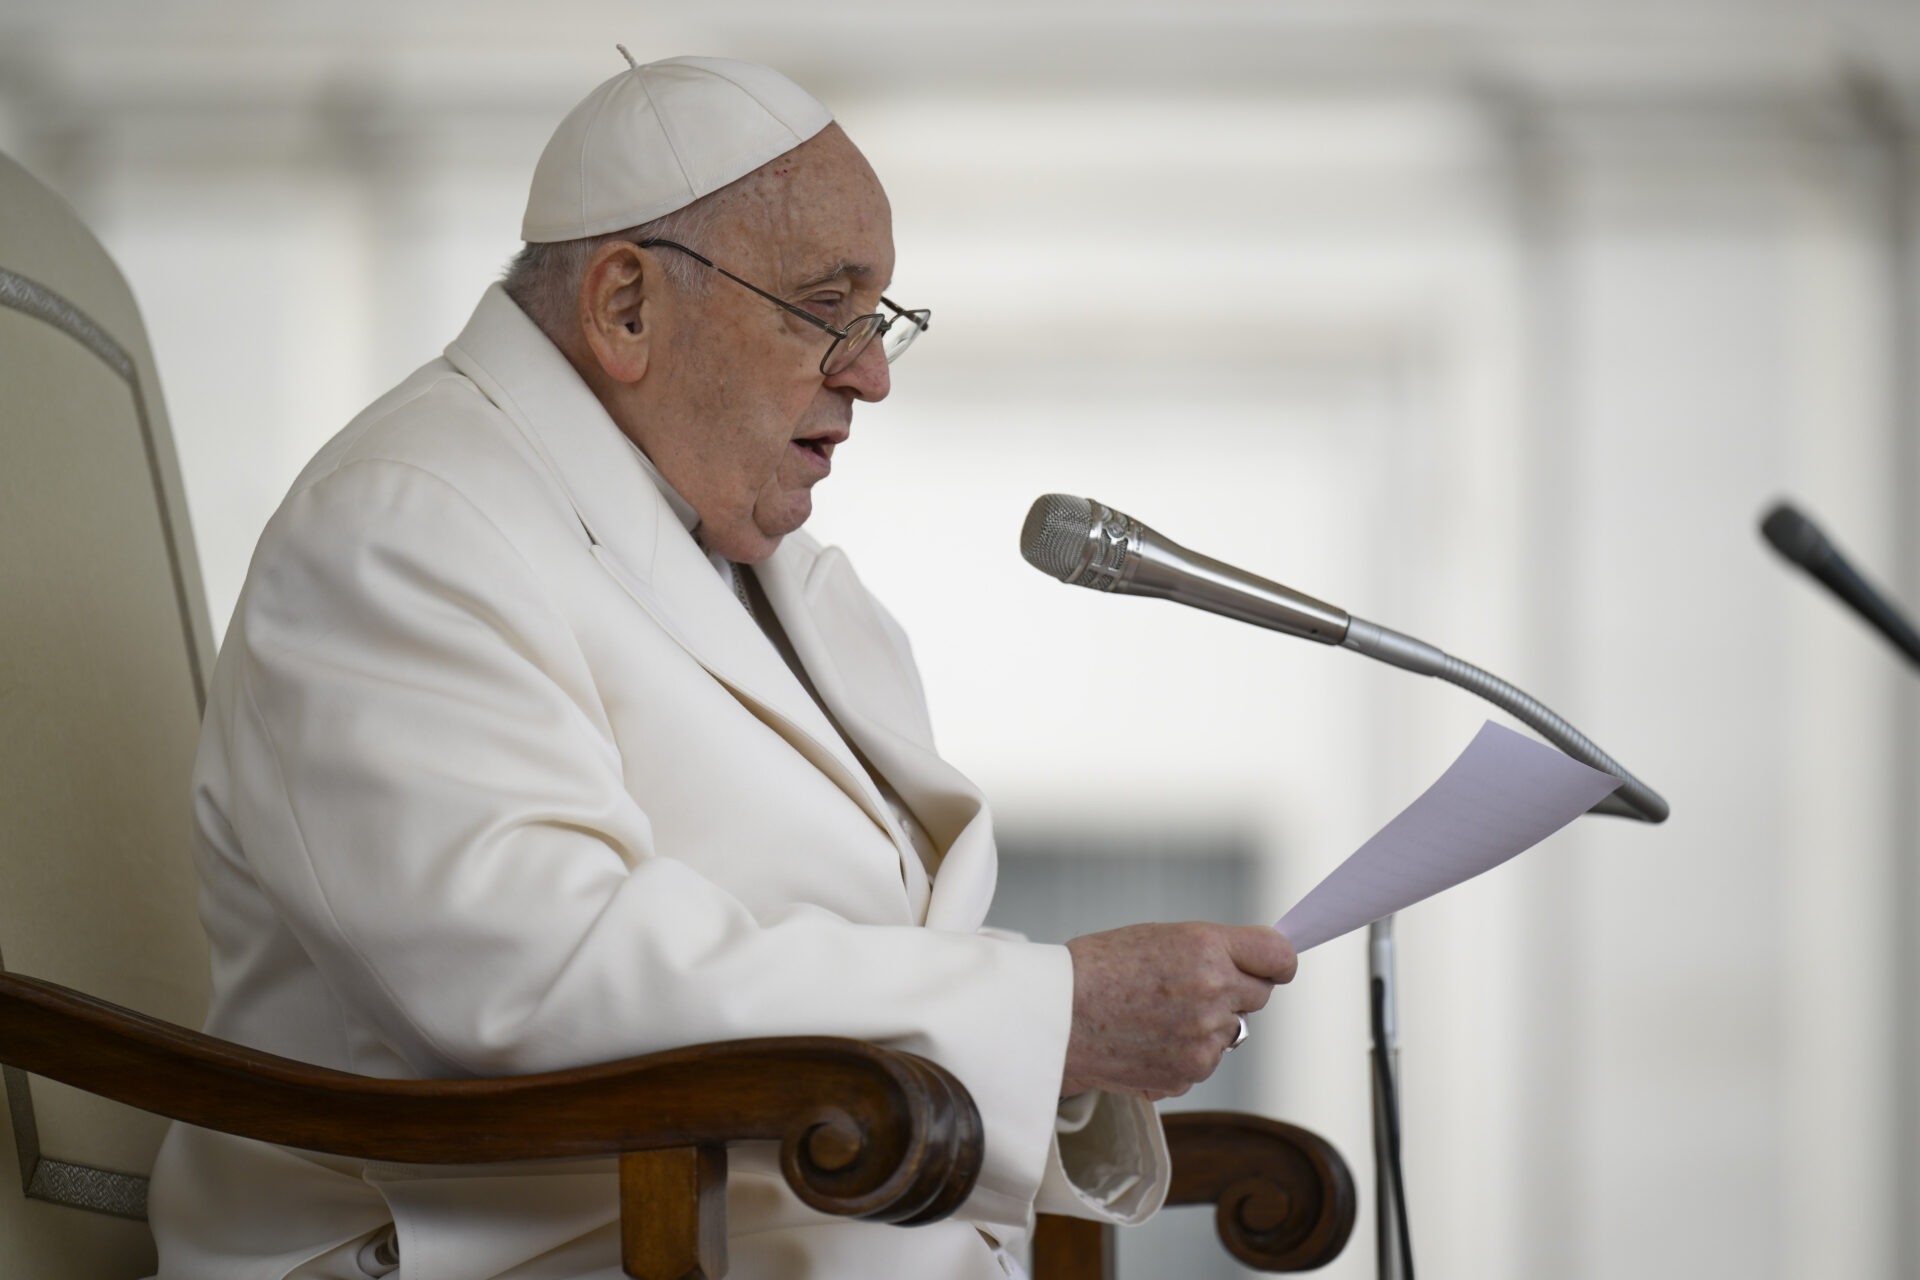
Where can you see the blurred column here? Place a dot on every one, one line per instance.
(1887, 115)
(1544, 1178)
(1718, 266)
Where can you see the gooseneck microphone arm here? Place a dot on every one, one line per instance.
(1633, 799)
(1081, 542)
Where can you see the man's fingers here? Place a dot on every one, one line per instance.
(1261, 952)
(1253, 995)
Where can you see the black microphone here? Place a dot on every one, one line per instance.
(1800, 540)
(1085, 544)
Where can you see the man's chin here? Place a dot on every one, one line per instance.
(792, 512)
(760, 539)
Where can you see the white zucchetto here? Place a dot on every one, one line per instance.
(660, 136)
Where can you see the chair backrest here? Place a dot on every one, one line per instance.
(104, 650)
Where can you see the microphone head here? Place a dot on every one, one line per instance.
(1054, 538)
(1796, 537)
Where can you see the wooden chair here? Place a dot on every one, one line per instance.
(103, 657)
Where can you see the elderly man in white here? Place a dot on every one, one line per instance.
(541, 737)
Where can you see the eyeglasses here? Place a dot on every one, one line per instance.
(848, 343)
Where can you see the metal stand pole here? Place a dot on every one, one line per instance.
(1390, 1232)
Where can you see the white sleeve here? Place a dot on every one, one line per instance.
(1108, 1160)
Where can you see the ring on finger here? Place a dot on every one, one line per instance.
(1239, 1037)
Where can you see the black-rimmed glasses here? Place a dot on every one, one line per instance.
(849, 342)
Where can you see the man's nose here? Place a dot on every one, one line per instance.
(867, 377)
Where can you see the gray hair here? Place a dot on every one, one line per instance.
(544, 279)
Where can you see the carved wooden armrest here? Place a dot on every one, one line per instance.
(864, 1132)
(1283, 1198)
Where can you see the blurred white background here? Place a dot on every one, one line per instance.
(1496, 323)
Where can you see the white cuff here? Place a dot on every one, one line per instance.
(1108, 1162)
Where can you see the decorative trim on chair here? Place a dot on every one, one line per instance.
(74, 1186)
(117, 1195)
(31, 298)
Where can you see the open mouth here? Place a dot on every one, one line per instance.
(820, 447)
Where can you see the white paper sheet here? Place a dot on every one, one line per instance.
(1505, 794)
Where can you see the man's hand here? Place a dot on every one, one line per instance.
(1154, 1004)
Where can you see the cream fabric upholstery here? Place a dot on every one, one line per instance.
(102, 653)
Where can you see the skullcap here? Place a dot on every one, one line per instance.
(660, 136)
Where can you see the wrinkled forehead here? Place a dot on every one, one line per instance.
(816, 212)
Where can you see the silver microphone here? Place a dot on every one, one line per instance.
(1084, 543)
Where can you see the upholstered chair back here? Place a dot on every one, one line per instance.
(104, 652)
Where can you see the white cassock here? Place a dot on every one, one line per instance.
(499, 776)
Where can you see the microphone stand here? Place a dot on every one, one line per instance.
(1392, 1244)
(1634, 799)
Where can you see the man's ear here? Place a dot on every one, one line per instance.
(619, 305)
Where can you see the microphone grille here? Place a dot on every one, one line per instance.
(1054, 538)
(1796, 537)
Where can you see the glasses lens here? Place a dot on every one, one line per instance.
(846, 350)
(906, 327)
